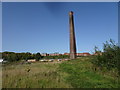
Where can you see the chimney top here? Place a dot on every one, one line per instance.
(71, 12)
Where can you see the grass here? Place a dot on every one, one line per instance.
(82, 75)
(77, 73)
(35, 75)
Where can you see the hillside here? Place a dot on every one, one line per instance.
(79, 73)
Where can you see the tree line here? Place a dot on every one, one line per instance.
(12, 56)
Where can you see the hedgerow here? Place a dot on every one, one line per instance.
(110, 57)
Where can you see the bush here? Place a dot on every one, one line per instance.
(110, 56)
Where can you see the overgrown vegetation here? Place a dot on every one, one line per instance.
(35, 75)
(81, 74)
(77, 73)
(109, 58)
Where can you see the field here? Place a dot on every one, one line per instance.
(79, 73)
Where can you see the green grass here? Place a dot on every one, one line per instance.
(82, 75)
(77, 73)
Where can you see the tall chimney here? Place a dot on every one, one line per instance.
(72, 37)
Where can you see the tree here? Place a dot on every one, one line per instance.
(37, 56)
(110, 57)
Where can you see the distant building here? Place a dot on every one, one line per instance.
(51, 54)
(83, 54)
(80, 54)
(54, 54)
(57, 54)
(66, 54)
(44, 54)
(97, 53)
(31, 60)
(86, 54)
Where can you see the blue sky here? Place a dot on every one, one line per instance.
(44, 27)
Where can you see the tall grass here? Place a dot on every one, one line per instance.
(35, 75)
(81, 74)
(78, 73)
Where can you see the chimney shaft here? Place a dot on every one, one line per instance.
(72, 36)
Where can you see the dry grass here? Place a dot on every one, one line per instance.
(79, 73)
(35, 75)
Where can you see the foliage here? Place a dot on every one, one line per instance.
(12, 56)
(56, 57)
(81, 75)
(37, 56)
(109, 57)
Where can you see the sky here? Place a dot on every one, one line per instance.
(0, 27)
(44, 26)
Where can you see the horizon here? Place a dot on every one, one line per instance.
(44, 26)
(43, 53)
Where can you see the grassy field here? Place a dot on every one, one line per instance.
(79, 73)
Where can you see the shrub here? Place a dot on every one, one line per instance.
(110, 56)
